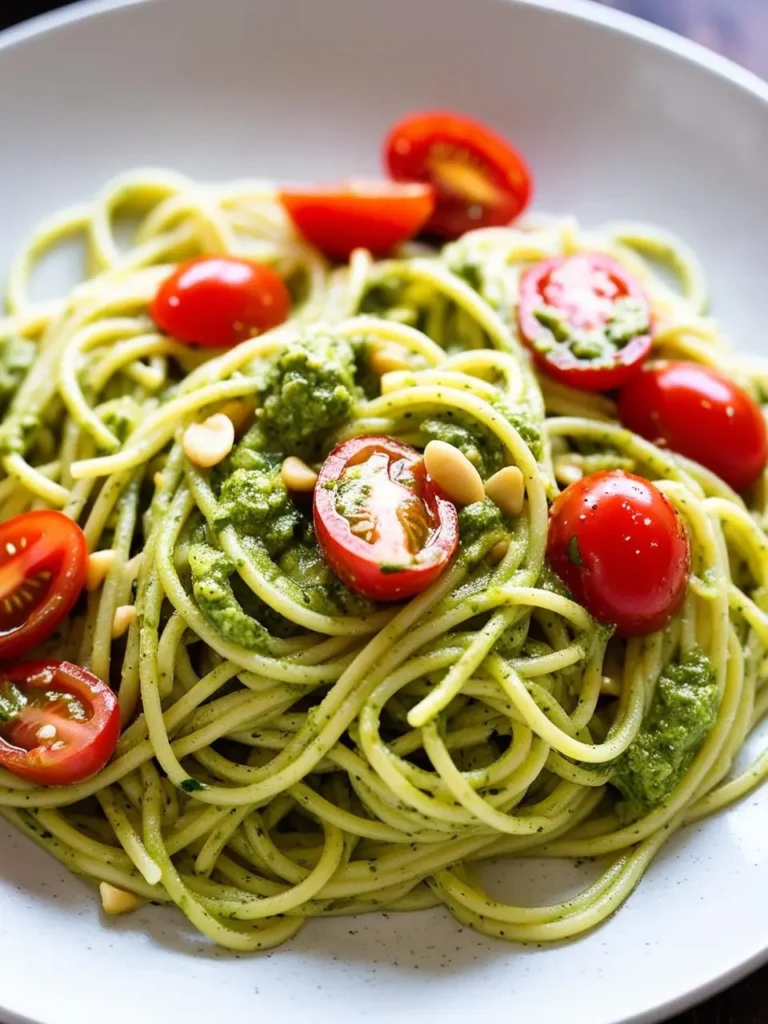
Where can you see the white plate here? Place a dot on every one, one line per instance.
(619, 120)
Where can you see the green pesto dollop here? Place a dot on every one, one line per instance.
(211, 584)
(250, 453)
(683, 711)
(12, 702)
(525, 423)
(257, 503)
(16, 357)
(322, 590)
(484, 453)
(480, 446)
(478, 520)
(628, 320)
(18, 431)
(308, 391)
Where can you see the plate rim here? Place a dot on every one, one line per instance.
(579, 10)
(621, 23)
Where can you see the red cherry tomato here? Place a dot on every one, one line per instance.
(359, 215)
(381, 523)
(219, 301)
(586, 319)
(480, 180)
(700, 413)
(43, 558)
(621, 549)
(59, 723)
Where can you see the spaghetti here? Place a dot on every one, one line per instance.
(325, 755)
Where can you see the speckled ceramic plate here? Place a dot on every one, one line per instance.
(619, 120)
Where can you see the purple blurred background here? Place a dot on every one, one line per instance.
(736, 28)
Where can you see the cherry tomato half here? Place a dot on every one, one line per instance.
(59, 723)
(700, 413)
(380, 521)
(359, 215)
(219, 301)
(480, 180)
(586, 319)
(43, 558)
(621, 549)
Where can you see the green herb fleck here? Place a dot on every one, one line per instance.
(574, 553)
(192, 785)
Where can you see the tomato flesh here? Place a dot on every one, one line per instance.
(219, 301)
(621, 549)
(43, 558)
(381, 523)
(59, 723)
(586, 320)
(479, 179)
(377, 216)
(700, 413)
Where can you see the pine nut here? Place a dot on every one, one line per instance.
(298, 476)
(453, 473)
(610, 687)
(124, 616)
(507, 490)
(118, 901)
(99, 564)
(239, 411)
(207, 444)
(499, 551)
(387, 358)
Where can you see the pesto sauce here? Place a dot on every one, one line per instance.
(598, 346)
(355, 487)
(121, 418)
(16, 357)
(478, 519)
(18, 432)
(524, 421)
(211, 572)
(309, 390)
(683, 711)
(485, 453)
(323, 591)
(12, 702)
(257, 503)
(480, 446)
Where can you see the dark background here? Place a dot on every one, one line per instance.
(739, 29)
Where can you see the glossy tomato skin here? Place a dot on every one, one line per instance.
(219, 301)
(84, 746)
(479, 179)
(698, 412)
(621, 549)
(377, 216)
(384, 569)
(597, 282)
(43, 560)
